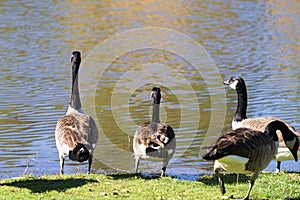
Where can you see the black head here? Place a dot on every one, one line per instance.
(76, 57)
(155, 95)
(234, 82)
(290, 139)
(75, 60)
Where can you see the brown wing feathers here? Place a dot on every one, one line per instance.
(260, 124)
(68, 131)
(241, 142)
(155, 134)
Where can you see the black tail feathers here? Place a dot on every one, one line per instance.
(80, 153)
(212, 155)
(207, 156)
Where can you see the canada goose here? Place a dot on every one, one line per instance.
(154, 140)
(248, 151)
(76, 133)
(240, 119)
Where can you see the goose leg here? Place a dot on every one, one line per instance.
(278, 166)
(249, 190)
(90, 163)
(137, 162)
(61, 162)
(252, 181)
(219, 172)
(163, 169)
(221, 180)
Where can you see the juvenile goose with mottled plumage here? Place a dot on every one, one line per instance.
(248, 151)
(76, 133)
(153, 140)
(240, 119)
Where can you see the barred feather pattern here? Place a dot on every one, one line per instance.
(156, 134)
(256, 146)
(260, 124)
(76, 129)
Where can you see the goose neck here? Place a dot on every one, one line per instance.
(155, 113)
(75, 97)
(241, 110)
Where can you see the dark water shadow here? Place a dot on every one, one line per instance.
(44, 185)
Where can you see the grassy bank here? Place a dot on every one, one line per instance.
(79, 186)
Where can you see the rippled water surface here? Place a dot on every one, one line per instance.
(191, 47)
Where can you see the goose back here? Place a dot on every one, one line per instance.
(261, 123)
(257, 147)
(152, 136)
(76, 129)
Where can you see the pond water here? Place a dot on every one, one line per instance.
(186, 47)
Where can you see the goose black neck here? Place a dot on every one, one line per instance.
(289, 137)
(155, 113)
(156, 96)
(272, 127)
(75, 98)
(241, 110)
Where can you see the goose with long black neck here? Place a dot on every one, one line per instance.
(240, 119)
(153, 140)
(76, 133)
(247, 151)
(75, 103)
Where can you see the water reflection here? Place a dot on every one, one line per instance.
(258, 40)
(284, 19)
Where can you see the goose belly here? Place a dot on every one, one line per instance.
(284, 154)
(233, 163)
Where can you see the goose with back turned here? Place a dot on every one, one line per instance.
(153, 140)
(247, 151)
(240, 119)
(76, 133)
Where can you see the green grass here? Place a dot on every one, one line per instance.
(79, 186)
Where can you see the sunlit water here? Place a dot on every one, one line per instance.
(259, 41)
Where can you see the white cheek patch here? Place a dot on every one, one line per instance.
(234, 84)
(290, 144)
